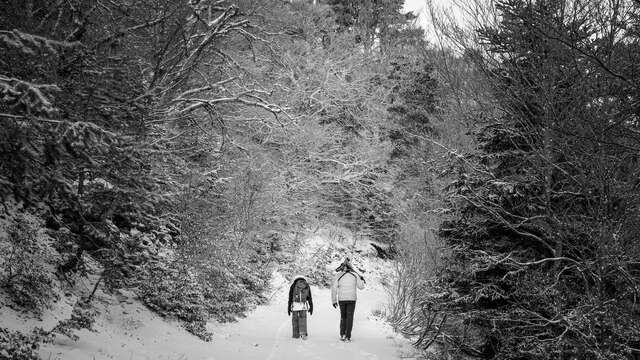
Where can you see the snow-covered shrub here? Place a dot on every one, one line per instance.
(174, 292)
(196, 294)
(15, 345)
(199, 329)
(26, 259)
(82, 317)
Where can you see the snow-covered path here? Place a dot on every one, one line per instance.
(129, 331)
(266, 333)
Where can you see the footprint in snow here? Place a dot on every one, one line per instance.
(304, 349)
(368, 355)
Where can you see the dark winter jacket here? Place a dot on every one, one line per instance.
(300, 291)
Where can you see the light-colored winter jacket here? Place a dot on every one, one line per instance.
(344, 286)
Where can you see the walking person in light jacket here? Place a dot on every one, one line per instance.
(344, 294)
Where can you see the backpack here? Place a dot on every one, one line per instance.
(300, 291)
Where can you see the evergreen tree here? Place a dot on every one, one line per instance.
(372, 20)
(542, 259)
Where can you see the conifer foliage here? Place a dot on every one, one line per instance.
(108, 112)
(374, 21)
(543, 257)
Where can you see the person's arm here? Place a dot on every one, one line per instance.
(359, 280)
(290, 299)
(334, 292)
(310, 299)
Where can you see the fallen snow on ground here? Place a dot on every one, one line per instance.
(125, 329)
(266, 333)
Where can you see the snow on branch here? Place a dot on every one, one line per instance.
(247, 98)
(27, 98)
(218, 27)
(129, 30)
(33, 44)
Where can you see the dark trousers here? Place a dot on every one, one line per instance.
(299, 323)
(347, 308)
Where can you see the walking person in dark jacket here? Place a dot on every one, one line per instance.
(300, 301)
(344, 294)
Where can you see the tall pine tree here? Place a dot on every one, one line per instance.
(543, 259)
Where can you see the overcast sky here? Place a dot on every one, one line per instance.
(414, 4)
(420, 8)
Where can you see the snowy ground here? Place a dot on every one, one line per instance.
(266, 333)
(127, 330)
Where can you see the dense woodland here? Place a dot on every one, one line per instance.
(179, 149)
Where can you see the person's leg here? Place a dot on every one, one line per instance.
(294, 324)
(343, 318)
(302, 324)
(350, 309)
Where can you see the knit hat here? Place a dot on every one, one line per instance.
(345, 265)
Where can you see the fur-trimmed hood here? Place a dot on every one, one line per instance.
(299, 276)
